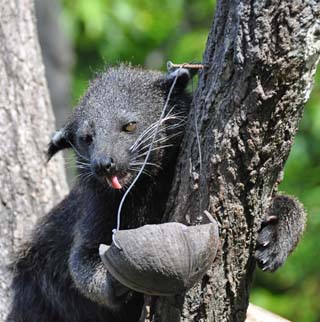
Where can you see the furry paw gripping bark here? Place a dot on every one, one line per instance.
(280, 232)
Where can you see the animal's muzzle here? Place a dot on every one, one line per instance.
(103, 166)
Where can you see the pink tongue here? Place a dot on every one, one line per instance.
(115, 182)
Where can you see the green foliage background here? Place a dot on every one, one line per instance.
(149, 33)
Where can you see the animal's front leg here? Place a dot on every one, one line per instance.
(92, 279)
(280, 232)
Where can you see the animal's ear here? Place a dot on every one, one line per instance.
(60, 140)
(180, 77)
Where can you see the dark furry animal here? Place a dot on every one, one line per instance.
(58, 275)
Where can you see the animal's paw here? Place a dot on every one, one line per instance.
(280, 232)
(269, 254)
(116, 293)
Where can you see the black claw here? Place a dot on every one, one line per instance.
(270, 220)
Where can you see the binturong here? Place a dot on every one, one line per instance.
(58, 276)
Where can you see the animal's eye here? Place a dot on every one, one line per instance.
(87, 139)
(130, 127)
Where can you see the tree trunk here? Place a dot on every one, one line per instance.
(57, 55)
(261, 57)
(28, 186)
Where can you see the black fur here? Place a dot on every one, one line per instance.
(58, 275)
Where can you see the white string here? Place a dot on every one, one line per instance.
(147, 156)
(199, 219)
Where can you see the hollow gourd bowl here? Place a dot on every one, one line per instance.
(165, 259)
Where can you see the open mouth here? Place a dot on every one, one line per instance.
(117, 181)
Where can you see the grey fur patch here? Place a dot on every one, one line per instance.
(280, 232)
(57, 136)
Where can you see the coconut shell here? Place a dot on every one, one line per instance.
(165, 259)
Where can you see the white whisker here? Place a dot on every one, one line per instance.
(148, 163)
(77, 152)
(154, 149)
(143, 136)
(162, 140)
(144, 171)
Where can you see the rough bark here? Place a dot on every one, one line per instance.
(58, 58)
(28, 186)
(262, 55)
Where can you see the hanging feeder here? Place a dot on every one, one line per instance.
(164, 259)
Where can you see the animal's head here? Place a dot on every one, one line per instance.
(113, 126)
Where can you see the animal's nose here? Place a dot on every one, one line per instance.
(103, 166)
